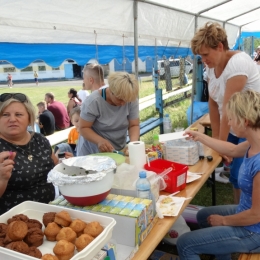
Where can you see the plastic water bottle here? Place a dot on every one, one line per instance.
(167, 124)
(143, 186)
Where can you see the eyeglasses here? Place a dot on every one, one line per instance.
(18, 96)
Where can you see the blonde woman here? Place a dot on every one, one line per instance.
(232, 228)
(107, 114)
(228, 72)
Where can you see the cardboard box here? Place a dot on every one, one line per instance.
(100, 256)
(133, 216)
(160, 255)
(181, 151)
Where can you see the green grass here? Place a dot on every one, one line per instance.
(177, 114)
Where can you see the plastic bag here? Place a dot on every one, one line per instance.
(127, 175)
(178, 228)
(199, 109)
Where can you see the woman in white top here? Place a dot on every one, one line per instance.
(228, 72)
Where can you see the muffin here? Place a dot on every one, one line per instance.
(48, 218)
(20, 217)
(2, 244)
(93, 229)
(17, 230)
(3, 228)
(34, 223)
(67, 234)
(63, 218)
(82, 241)
(18, 246)
(34, 237)
(78, 226)
(51, 231)
(64, 250)
(35, 252)
(49, 257)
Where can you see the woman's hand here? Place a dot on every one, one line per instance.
(216, 220)
(6, 165)
(126, 151)
(105, 146)
(192, 135)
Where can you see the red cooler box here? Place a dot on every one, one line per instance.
(176, 179)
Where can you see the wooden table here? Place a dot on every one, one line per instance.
(163, 225)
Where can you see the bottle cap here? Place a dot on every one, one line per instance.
(156, 137)
(142, 174)
(107, 258)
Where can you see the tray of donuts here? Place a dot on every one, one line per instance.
(34, 230)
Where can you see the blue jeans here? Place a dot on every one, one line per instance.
(220, 241)
(236, 163)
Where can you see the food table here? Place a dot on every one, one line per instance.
(163, 225)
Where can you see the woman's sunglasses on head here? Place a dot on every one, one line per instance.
(18, 96)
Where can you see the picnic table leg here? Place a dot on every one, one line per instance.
(212, 183)
(213, 187)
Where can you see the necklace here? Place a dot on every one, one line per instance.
(29, 154)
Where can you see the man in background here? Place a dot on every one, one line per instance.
(46, 119)
(59, 111)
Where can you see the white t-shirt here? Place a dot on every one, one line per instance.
(82, 94)
(239, 64)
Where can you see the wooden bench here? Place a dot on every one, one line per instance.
(59, 136)
(249, 257)
(148, 125)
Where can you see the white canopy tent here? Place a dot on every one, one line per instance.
(101, 29)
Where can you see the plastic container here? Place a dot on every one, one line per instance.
(167, 124)
(35, 210)
(143, 186)
(175, 179)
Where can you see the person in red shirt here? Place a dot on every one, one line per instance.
(58, 109)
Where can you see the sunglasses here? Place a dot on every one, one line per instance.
(18, 96)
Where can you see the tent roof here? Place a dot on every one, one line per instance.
(26, 26)
(237, 12)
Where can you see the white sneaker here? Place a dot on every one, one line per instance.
(219, 169)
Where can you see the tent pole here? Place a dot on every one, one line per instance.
(194, 73)
(239, 44)
(136, 37)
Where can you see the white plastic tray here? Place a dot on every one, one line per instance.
(35, 210)
(171, 207)
(192, 177)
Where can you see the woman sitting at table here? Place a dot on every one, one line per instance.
(232, 228)
(25, 157)
(74, 101)
(107, 114)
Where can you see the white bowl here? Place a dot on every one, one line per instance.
(87, 193)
